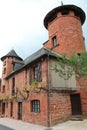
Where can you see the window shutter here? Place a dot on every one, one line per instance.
(39, 71)
(13, 86)
(30, 75)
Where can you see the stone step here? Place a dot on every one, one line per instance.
(77, 118)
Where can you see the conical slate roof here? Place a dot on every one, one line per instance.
(12, 53)
(53, 13)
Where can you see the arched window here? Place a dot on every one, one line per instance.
(35, 106)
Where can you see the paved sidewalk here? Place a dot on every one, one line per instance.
(20, 125)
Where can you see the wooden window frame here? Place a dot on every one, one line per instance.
(35, 106)
(36, 73)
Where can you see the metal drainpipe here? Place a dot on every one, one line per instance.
(48, 92)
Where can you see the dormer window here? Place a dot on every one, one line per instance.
(54, 41)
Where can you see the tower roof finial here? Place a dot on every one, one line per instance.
(61, 3)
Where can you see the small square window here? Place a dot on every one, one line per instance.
(79, 54)
(54, 41)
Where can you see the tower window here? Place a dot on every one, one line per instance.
(54, 41)
(65, 12)
(4, 71)
(79, 54)
(4, 63)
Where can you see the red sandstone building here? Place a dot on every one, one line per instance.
(48, 101)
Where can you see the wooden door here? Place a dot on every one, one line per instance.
(11, 109)
(3, 108)
(20, 110)
(76, 104)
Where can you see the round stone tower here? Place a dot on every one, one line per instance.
(8, 67)
(65, 30)
(7, 62)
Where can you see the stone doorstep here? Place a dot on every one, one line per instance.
(1, 116)
(76, 118)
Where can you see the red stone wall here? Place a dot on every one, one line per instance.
(27, 115)
(22, 79)
(36, 118)
(83, 92)
(84, 102)
(60, 107)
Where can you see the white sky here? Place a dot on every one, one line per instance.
(21, 24)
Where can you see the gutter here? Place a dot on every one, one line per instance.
(48, 93)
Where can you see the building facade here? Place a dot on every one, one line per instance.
(30, 90)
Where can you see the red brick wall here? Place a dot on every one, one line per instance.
(22, 79)
(36, 118)
(8, 65)
(83, 92)
(84, 102)
(27, 115)
(60, 107)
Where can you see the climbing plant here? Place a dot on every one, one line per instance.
(74, 65)
(22, 93)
